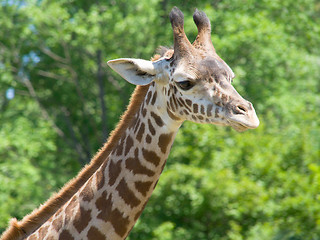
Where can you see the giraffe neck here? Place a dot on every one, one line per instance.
(111, 201)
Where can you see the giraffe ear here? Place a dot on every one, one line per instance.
(135, 71)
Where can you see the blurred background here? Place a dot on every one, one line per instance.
(59, 101)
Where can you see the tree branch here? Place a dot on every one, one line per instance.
(66, 52)
(84, 133)
(75, 142)
(51, 75)
(54, 56)
(44, 112)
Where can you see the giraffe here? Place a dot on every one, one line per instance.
(189, 82)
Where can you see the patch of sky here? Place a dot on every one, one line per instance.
(32, 57)
(18, 3)
(10, 93)
(32, 28)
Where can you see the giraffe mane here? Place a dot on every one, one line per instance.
(32, 221)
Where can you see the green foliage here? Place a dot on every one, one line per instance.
(29, 168)
(228, 188)
(218, 184)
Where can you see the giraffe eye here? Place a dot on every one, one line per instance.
(185, 85)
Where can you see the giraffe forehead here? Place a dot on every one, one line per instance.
(204, 68)
(213, 67)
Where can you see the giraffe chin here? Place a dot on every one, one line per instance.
(240, 127)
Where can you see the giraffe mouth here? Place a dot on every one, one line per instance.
(238, 126)
(241, 127)
(241, 124)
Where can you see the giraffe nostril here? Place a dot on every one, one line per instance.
(241, 109)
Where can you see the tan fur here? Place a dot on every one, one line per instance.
(155, 57)
(162, 52)
(31, 222)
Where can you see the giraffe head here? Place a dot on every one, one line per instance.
(195, 83)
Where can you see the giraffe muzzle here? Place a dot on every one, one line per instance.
(242, 116)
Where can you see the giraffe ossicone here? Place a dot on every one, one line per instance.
(188, 82)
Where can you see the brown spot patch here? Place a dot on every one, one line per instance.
(216, 113)
(151, 157)
(209, 110)
(114, 171)
(189, 102)
(169, 91)
(182, 103)
(175, 90)
(129, 144)
(224, 97)
(144, 112)
(82, 219)
(151, 128)
(104, 205)
(72, 204)
(100, 180)
(87, 193)
(126, 194)
(119, 149)
(115, 217)
(195, 108)
(143, 187)
(154, 98)
(171, 105)
(148, 97)
(134, 165)
(57, 223)
(157, 119)
(175, 102)
(119, 223)
(65, 234)
(148, 138)
(164, 141)
(95, 234)
(179, 100)
(140, 132)
(202, 110)
(43, 231)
